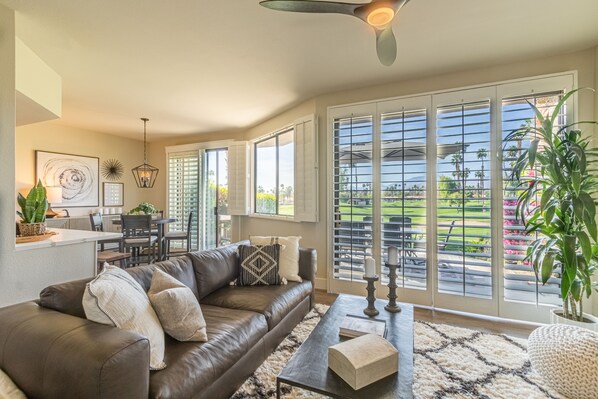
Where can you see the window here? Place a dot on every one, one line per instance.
(183, 193)
(430, 175)
(275, 174)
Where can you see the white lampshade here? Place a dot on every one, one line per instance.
(54, 195)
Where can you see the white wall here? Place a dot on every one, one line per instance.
(23, 274)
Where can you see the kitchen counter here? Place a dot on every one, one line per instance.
(67, 237)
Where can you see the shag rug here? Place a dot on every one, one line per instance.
(450, 362)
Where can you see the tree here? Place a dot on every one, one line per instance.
(288, 191)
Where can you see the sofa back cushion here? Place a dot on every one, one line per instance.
(67, 297)
(215, 268)
(180, 268)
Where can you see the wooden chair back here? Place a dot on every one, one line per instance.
(136, 225)
(95, 219)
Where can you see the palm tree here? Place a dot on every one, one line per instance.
(482, 154)
(456, 160)
(480, 175)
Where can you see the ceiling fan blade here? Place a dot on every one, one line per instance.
(386, 46)
(311, 6)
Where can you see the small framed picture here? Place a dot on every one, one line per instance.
(114, 194)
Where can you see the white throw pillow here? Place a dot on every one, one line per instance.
(8, 389)
(116, 299)
(177, 308)
(289, 255)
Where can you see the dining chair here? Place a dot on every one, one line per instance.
(179, 236)
(137, 238)
(97, 224)
(108, 254)
(157, 214)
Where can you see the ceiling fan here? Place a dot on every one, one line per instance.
(379, 14)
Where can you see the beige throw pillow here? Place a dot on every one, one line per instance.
(116, 299)
(177, 308)
(8, 389)
(289, 255)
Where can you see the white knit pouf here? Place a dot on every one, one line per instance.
(567, 358)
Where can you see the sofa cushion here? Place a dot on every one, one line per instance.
(177, 308)
(215, 268)
(193, 366)
(65, 297)
(274, 301)
(179, 268)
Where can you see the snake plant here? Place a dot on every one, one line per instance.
(34, 206)
(558, 184)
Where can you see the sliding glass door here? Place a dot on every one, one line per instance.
(217, 221)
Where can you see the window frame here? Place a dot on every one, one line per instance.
(254, 184)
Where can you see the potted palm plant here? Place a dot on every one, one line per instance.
(33, 211)
(556, 200)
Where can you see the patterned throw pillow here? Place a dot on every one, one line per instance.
(259, 265)
(289, 254)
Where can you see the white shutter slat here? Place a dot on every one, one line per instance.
(306, 169)
(238, 178)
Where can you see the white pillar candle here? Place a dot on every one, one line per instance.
(393, 255)
(370, 267)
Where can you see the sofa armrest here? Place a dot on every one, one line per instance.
(54, 355)
(308, 265)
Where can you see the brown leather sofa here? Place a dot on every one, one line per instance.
(50, 350)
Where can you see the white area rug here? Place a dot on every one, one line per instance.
(450, 362)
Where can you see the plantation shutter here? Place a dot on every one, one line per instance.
(238, 178)
(306, 169)
(464, 250)
(183, 193)
(520, 283)
(403, 179)
(352, 194)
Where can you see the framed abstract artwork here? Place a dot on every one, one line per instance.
(113, 194)
(77, 175)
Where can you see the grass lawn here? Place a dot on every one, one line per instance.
(413, 209)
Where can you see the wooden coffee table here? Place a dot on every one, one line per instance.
(308, 368)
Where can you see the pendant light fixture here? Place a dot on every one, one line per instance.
(145, 174)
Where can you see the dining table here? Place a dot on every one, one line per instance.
(159, 222)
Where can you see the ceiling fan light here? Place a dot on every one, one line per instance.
(380, 17)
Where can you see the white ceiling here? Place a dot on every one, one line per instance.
(195, 66)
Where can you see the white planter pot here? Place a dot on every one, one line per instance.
(556, 317)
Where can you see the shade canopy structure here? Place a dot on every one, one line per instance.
(396, 151)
